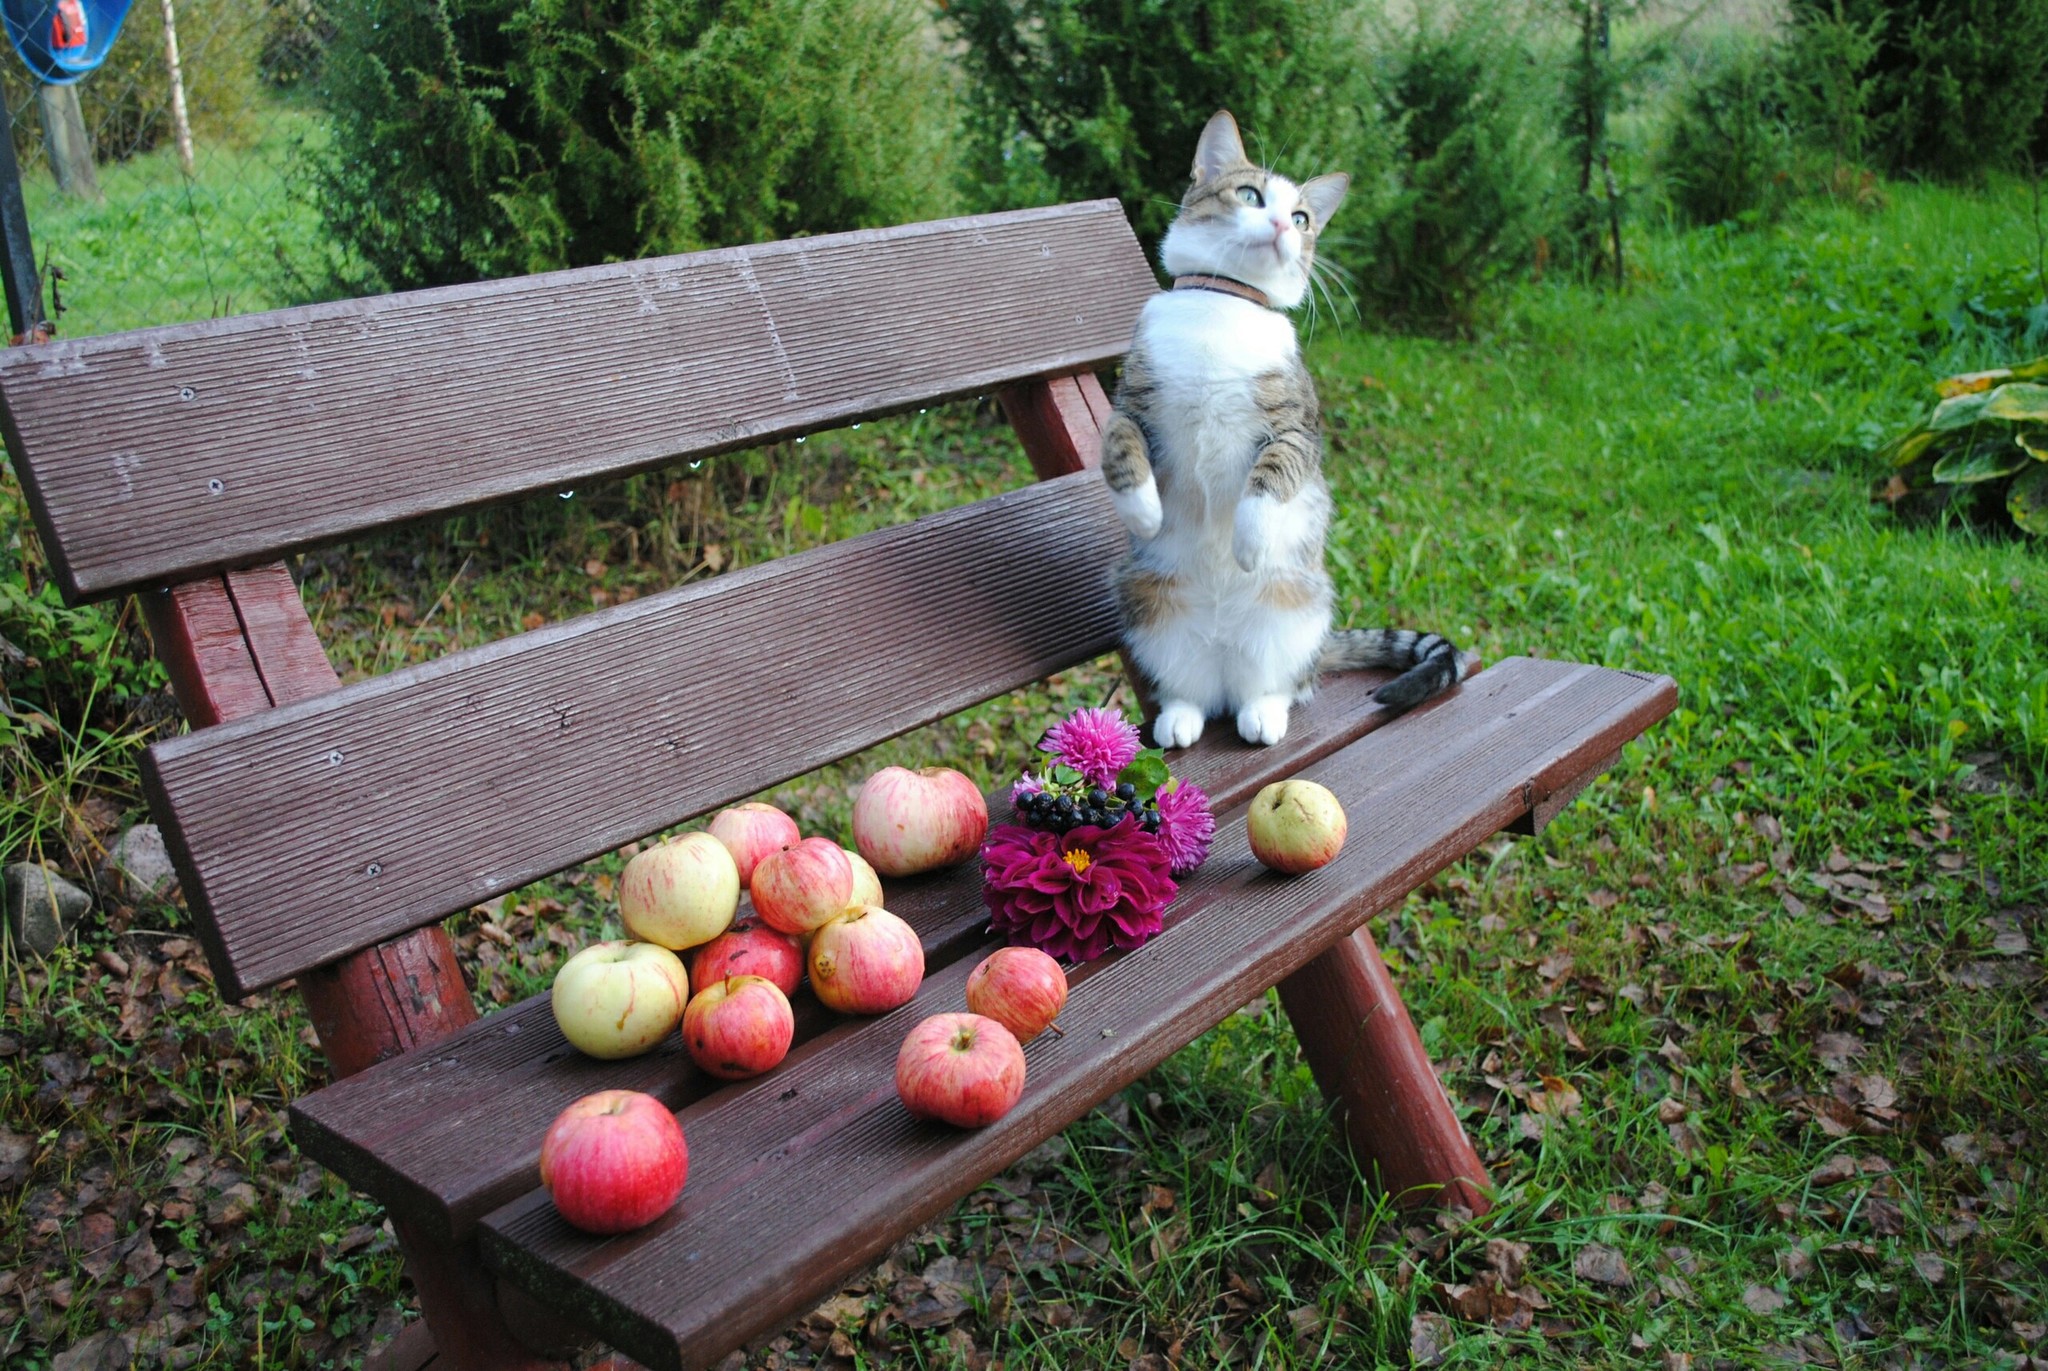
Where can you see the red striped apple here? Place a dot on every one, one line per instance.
(867, 886)
(1021, 988)
(738, 1027)
(750, 832)
(680, 892)
(798, 887)
(910, 821)
(750, 948)
(618, 999)
(961, 1069)
(866, 961)
(614, 1161)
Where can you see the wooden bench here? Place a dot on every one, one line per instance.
(322, 832)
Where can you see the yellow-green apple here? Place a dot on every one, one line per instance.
(1296, 826)
(1021, 988)
(962, 1069)
(910, 821)
(750, 832)
(750, 948)
(618, 999)
(614, 1161)
(738, 1027)
(866, 961)
(798, 887)
(867, 886)
(681, 892)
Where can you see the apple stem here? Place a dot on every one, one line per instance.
(1056, 1030)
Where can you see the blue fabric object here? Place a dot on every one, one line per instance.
(62, 41)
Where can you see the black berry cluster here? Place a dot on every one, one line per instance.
(1056, 809)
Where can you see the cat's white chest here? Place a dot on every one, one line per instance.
(1206, 351)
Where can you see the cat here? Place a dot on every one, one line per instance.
(1213, 458)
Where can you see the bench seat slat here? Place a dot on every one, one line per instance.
(443, 1136)
(737, 1258)
(393, 802)
(332, 419)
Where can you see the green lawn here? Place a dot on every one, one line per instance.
(1752, 1037)
(162, 249)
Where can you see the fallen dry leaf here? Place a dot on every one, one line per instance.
(1762, 1301)
(1602, 1265)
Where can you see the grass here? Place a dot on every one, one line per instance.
(1752, 1037)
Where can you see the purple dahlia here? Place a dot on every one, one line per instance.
(1076, 894)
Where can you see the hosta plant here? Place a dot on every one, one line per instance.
(1982, 452)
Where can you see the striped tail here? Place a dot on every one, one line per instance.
(1428, 664)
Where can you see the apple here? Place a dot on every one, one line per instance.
(681, 892)
(798, 887)
(1296, 826)
(614, 1161)
(962, 1069)
(750, 948)
(739, 1027)
(750, 832)
(867, 886)
(1021, 988)
(866, 961)
(618, 999)
(910, 821)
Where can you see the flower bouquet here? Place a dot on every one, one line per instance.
(1104, 833)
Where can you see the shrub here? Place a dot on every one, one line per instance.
(1079, 99)
(1828, 82)
(477, 138)
(1728, 151)
(1955, 86)
(1474, 166)
(1982, 452)
(127, 102)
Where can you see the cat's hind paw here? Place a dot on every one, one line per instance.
(1179, 725)
(1139, 508)
(1264, 720)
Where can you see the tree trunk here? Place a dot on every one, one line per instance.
(66, 141)
(181, 123)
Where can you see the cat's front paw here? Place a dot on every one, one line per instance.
(1179, 725)
(1251, 537)
(1139, 508)
(1264, 720)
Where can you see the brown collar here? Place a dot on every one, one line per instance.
(1223, 285)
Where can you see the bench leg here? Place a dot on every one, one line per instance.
(1368, 1059)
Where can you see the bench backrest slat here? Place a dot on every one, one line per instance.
(314, 829)
(155, 455)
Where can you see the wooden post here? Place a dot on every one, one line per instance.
(67, 142)
(239, 643)
(18, 263)
(181, 125)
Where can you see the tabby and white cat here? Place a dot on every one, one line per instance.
(1213, 457)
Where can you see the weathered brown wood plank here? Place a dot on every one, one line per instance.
(445, 1136)
(475, 774)
(155, 455)
(827, 1125)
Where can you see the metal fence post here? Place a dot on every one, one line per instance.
(25, 320)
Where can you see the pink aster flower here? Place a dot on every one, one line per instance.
(1095, 742)
(1027, 784)
(1186, 827)
(1076, 894)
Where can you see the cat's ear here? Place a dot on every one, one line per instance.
(1220, 147)
(1323, 194)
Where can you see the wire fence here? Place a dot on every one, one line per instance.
(128, 231)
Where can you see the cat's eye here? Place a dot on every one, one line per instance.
(1301, 220)
(1251, 197)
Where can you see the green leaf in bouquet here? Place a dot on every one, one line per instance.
(1988, 458)
(2020, 401)
(1147, 771)
(1063, 776)
(1959, 412)
(2027, 499)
